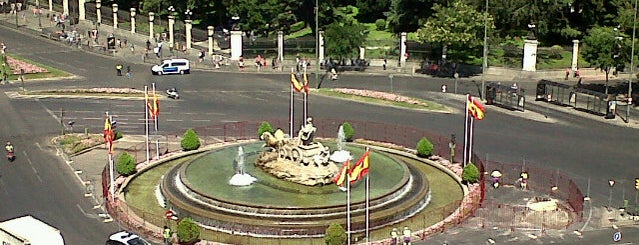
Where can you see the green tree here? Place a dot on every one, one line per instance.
(470, 173)
(458, 25)
(344, 38)
(335, 235)
(349, 131)
(605, 48)
(187, 230)
(424, 148)
(126, 164)
(190, 140)
(409, 15)
(264, 127)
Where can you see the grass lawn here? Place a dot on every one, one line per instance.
(140, 195)
(52, 72)
(429, 105)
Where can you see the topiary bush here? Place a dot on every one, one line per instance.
(126, 164)
(424, 148)
(187, 231)
(349, 131)
(190, 141)
(335, 235)
(380, 24)
(470, 174)
(264, 127)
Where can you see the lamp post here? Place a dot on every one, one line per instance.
(115, 15)
(616, 54)
(39, 15)
(98, 6)
(632, 65)
(484, 64)
(151, 19)
(188, 25)
(15, 11)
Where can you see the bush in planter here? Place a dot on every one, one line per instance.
(187, 231)
(380, 24)
(424, 148)
(470, 174)
(126, 164)
(264, 127)
(190, 141)
(335, 235)
(349, 131)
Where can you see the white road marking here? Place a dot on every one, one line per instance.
(32, 167)
(201, 120)
(174, 120)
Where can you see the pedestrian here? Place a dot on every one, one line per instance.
(132, 48)
(167, 235)
(385, 63)
(523, 178)
(407, 235)
(202, 55)
(3, 48)
(128, 72)
(567, 73)
(241, 63)
(394, 236)
(148, 44)
(118, 69)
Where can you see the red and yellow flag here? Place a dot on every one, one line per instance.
(361, 168)
(475, 108)
(305, 82)
(297, 85)
(152, 104)
(109, 136)
(340, 178)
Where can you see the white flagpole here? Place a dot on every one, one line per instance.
(368, 190)
(305, 105)
(146, 121)
(465, 131)
(348, 206)
(110, 155)
(290, 114)
(155, 121)
(471, 136)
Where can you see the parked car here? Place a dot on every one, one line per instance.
(172, 66)
(126, 238)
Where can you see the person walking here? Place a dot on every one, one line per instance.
(167, 235)
(129, 75)
(118, 70)
(407, 234)
(394, 236)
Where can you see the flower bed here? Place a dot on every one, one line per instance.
(379, 95)
(18, 65)
(91, 91)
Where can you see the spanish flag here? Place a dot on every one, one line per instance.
(305, 82)
(109, 136)
(297, 85)
(475, 108)
(153, 105)
(361, 168)
(340, 178)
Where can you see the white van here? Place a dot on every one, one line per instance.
(172, 66)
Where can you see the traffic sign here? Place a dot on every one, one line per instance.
(616, 236)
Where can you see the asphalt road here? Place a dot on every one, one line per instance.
(40, 184)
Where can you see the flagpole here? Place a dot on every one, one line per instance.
(290, 114)
(465, 131)
(110, 158)
(367, 204)
(348, 208)
(155, 121)
(471, 137)
(146, 121)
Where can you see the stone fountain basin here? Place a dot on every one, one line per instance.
(542, 204)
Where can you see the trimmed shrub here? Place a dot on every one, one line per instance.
(118, 135)
(264, 127)
(190, 141)
(349, 131)
(187, 230)
(335, 235)
(126, 164)
(380, 24)
(424, 148)
(470, 174)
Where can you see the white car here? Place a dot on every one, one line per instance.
(126, 238)
(172, 66)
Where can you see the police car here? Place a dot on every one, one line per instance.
(126, 238)
(172, 66)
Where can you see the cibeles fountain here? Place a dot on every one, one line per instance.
(282, 187)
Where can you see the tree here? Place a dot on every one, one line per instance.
(457, 25)
(335, 235)
(187, 230)
(408, 15)
(470, 173)
(190, 140)
(349, 131)
(344, 38)
(264, 127)
(605, 48)
(424, 148)
(126, 164)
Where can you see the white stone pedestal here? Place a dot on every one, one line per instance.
(321, 47)
(575, 54)
(188, 25)
(530, 55)
(236, 45)
(280, 47)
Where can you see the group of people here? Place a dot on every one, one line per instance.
(405, 239)
(496, 179)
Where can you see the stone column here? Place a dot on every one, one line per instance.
(362, 53)
(81, 10)
(402, 49)
(133, 12)
(188, 25)
(65, 7)
(280, 47)
(115, 15)
(530, 55)
(51, 5)
(236, 45)
(321, 47)
(575, 55)
(171, 24)
(98, 10)
(210, 31)
(151, 19)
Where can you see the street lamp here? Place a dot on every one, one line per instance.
(39, 16)
(632, 66)
(616, 54)
(188, 14)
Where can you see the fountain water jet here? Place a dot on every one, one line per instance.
(241, 178)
